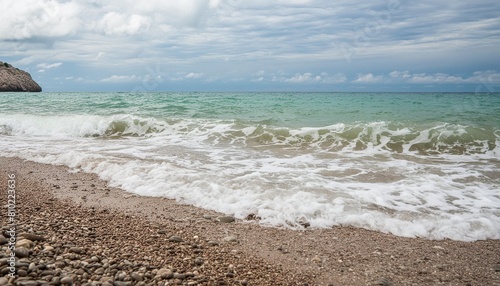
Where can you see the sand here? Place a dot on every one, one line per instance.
(98, 235)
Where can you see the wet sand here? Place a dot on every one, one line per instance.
(99, 235)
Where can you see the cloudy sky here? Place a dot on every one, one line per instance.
(254, 45)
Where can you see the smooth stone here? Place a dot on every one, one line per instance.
(231, 238)
(99, 271)
(175, 238)
(32, 236)
(3, 281)
(136, 276)
(26, 283)
(384, 282)
(3, 261)
(212, 243)
(3, 240)
(26, 243)
(226, 219)
(68, 280)
(179, 276)
(77, 250)
(198, 261)
(165, 273)
(48, 248)
(22, 252)
(122, 283)
(30, 267)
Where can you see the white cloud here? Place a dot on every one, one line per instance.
(48, 66)
(312, 78)
(368, 78)
(38, 18)
(478, 77)
(306, 77)
(193, 75)
(120, 24)
(122, 78)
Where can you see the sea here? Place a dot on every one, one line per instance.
(410, 164)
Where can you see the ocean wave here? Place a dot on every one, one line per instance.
(440, 138)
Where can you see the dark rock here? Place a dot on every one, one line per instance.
(21, 252)
(13, 79)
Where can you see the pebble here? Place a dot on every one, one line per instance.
(179, 276)
(26, 243)
(3, 240)
(136, 276)
(165, 273)
(32, 236)
(199, 261)
(77, 250)
(226, 219)
(175, 238)
(27, 283)
(231, 238)
(22, 252)
(68, 280)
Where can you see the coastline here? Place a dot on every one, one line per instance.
(78, 210)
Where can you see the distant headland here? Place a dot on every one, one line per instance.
(14, 79)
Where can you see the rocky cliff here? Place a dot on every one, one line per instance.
(14, 79)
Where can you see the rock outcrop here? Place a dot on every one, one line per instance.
(14, 79)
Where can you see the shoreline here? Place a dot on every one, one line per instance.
(61, 206)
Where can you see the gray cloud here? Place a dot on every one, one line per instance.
(309, 40)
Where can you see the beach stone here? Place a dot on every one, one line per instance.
(32, 236)
(3, 261)
(22, 273)
(179, 276)
(198, 261)
(226, 219)
(496, 268)
(3, 240)
(68, 280)
(136, 276)
(77, 250)
(165, 273)
(3, 281)
(26, 243)
(384, 282)
(122, 283)
(22, 252)
(175, 238)
(48, 248)
(26, 283)
(231, 238)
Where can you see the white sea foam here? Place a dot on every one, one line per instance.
(335, 175)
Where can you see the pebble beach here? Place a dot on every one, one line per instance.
(73, 229)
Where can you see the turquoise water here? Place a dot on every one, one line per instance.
(282, 109)
(412, 164)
